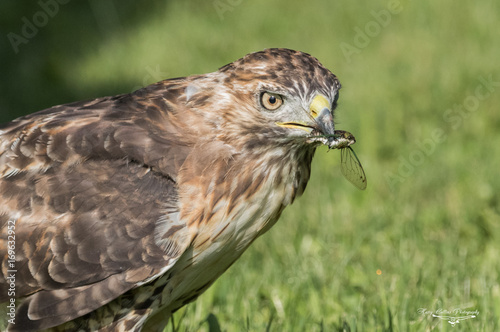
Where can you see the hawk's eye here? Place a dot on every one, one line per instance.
(271, 101)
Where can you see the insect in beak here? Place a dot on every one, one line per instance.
(350, 166)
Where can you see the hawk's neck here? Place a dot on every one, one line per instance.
(227, 205)
(245, 190)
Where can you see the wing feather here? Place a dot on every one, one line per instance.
(91, 189)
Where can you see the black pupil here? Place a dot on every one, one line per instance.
(272, 99)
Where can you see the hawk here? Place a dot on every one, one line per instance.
(124, 208)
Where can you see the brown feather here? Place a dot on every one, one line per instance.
(132, 205)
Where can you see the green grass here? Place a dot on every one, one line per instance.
(431, 225)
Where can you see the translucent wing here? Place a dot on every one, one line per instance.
(351, 168)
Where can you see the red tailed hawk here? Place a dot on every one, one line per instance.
(118, 208)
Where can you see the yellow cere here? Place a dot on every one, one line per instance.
(319, 102)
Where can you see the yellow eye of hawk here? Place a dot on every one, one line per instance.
(271, 101)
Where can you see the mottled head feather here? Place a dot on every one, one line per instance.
(294, 70)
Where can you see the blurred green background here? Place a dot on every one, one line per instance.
(421, 85)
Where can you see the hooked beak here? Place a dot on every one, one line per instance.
(321, 112)
(325, 122)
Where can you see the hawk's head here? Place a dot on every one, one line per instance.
(276, 95)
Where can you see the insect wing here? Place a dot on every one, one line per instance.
(351, 168)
